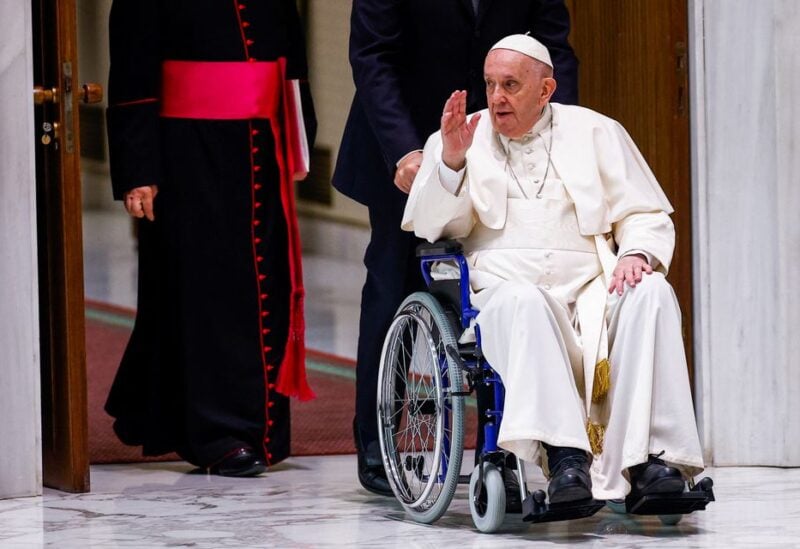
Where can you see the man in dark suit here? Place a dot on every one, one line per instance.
(408, 56)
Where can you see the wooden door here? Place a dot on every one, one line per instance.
(65, 457)
(633, 68)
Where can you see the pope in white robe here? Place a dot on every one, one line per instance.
(568, 238)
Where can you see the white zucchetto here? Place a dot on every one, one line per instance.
(526, 45)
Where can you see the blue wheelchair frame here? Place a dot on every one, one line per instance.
(474, 364)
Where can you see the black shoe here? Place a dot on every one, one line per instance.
(371, 473)
(241, 462)
(511, 482)
(569, 475)
(655, 477)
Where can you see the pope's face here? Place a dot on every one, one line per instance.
(516, 91)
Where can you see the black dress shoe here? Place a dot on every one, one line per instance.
(511, 483)
(371, 473)
(569, 476)
(655, 477)
(241, 462)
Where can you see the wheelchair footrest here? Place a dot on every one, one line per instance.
(684, 503)
(536, 509)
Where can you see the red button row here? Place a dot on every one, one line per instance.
(246, 25)
(259, 259)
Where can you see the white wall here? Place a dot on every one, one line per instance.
(332, 86)
(20, 429)
(746, 133)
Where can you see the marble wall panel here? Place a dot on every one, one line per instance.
(745, 133)
(787, 135)
(20, 431)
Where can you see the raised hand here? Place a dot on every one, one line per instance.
(457, 131)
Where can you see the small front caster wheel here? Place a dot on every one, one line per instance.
(488, 507)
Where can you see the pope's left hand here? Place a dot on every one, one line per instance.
(629, 269)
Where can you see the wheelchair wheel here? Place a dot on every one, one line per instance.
(617, 506)
(488, 508)
(670, 520)
(420, 421)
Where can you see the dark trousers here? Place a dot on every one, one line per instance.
(392, 274)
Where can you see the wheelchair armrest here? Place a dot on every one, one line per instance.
(440, 247)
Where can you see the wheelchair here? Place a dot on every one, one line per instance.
(424, 379)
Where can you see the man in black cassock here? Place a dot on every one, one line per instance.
(407, 57)
(198, 145)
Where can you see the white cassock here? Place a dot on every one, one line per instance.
(542, 233)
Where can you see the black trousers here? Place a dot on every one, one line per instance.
(392, 274)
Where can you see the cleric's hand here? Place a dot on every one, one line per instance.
(629, 269)
(139, 201)
(457, 132)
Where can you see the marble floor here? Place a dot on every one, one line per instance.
(316, 501)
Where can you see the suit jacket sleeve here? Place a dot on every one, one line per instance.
(550, 25)
(134, 84)
(376, 37)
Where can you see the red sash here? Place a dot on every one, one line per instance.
(244, 90)
(221, 90)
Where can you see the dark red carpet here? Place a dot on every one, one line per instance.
(319, 427)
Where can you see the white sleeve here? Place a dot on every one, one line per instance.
(653, 232)
(653, 262)
(397, 164)
(451, 179)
